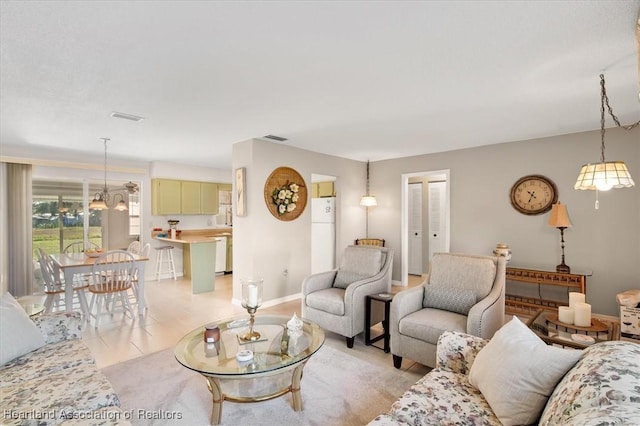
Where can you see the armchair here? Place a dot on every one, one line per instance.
(463, 293)
(335, 299)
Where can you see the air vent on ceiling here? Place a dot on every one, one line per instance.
(126, 116)
(276, 138)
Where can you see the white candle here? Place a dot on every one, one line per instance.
(252, 296)
(575, 297)
(582, 315)
(565, 314)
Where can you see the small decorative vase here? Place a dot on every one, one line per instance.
(502, 250)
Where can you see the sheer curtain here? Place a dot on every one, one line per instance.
(19, 232)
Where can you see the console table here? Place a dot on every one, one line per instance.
(516, 304)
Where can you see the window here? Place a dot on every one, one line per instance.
(134, 214)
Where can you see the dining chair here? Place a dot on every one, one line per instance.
(111, 278)
(133, 292)
(79, 247)
(54, 286)
(135, 247)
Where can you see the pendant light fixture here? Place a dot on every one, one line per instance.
(605, 175)
(101, 199)
(368, 200)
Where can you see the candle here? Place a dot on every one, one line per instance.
(565, 314)
(582, 315)
(575, 297)
(252, 296)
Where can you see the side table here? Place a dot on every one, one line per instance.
(385, 298)
(545, 324)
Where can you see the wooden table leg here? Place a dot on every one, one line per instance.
(218, 398)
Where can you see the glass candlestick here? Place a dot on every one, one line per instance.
(251, 301)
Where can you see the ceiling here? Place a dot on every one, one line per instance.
(362, 80)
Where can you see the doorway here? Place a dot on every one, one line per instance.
(425, 206)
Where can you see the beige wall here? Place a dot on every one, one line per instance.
(264, 246)
(605, 241)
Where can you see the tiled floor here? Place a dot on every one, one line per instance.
(173, 311)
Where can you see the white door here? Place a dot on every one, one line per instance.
(437, 217)
(415, 228)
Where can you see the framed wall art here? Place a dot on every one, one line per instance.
(241, 196)
(285, 194)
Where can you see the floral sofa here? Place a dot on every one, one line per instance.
(59, 382)
(602, 388)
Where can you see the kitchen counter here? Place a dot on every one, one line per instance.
(198, 255)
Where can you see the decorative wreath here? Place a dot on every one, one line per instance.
(285, 194)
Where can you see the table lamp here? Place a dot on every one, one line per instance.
(559, 218)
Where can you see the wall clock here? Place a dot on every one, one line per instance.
(533, 194)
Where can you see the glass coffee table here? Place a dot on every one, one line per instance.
(274, 370)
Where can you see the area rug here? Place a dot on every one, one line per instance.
(338, 388)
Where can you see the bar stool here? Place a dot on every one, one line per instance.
(160, 261)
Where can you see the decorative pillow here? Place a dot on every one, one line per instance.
(451, 299)
(18, 334)
(358, 263)
(344, 278)
(516, 372)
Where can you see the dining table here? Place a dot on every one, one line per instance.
(72, 264)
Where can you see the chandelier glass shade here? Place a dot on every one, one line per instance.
(102, 200)
(605, 175)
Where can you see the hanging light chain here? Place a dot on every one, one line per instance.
(605, 100)
(367, 178)
(105, 189)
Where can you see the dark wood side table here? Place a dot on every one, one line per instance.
(385, 298)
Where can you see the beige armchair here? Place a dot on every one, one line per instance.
(462, 293)
(335, 300)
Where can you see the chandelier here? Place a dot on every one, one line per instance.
(102, 200)
(605, 175)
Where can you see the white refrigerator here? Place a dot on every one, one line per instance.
(323, 234)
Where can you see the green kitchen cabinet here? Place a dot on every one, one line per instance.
(165, 196)
(209, 198)
(191, 198)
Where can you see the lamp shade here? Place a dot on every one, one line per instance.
(98, 204)
(604, 176)
(559, 217)
(368, 201)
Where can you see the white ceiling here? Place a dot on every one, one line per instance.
(363, 80)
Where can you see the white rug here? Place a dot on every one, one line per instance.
(338, 388)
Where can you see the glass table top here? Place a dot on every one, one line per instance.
(269, 354)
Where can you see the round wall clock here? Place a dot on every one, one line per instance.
(533, 194)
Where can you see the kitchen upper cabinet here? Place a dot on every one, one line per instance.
(191, 198)
(169, 196)
(165, 196)
(322, 189)
(209, 198)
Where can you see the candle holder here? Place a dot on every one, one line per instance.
(251, 301)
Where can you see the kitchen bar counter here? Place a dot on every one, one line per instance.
(198, 255)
